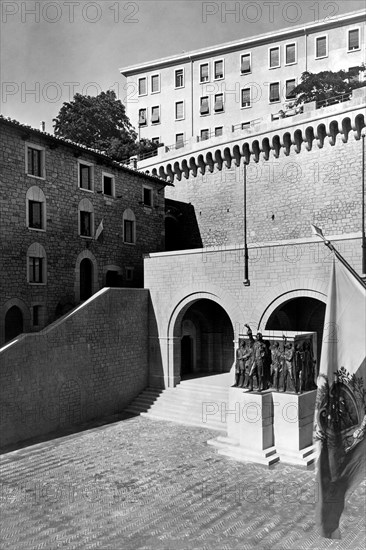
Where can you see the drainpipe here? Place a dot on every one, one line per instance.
(191, 95)
(246, 281)
(306, 50)
(363, 206)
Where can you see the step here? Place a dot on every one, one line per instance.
(186, 422)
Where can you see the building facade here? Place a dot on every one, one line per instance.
(230, 88)
(72, 222)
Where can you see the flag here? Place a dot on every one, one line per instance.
(99, 230)
(340, 422)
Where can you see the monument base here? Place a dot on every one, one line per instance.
(230, 447)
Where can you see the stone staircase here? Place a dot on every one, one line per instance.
(200, 402)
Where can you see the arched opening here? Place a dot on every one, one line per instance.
(86, 279)
(13, 323)
(205, 334)
(300, 314)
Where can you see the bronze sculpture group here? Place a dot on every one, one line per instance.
(291, 368)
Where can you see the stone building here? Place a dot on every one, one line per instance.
(72, 221)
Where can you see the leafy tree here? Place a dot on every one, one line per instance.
(100, 122)
(327, 84)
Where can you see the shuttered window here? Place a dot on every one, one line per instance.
(179, 111)
(274, 92)
(204, 110)
(353, 39)
(219, 69)
(205, 134)
(179, 141)
(155, 83)
(219, 103)
(290, 86)
(245, 97)
(155, 115)
(245, 63)
(290, 54)
(274, 57)
(218, 131)
(321, 46)
(142, 86)
(204, 73)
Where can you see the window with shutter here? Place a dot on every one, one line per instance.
(245, 63)
(245, 97)
(204, 110)
(218, 131)
(219, 103)
(142, 86)
(274, 92)
(155, 84)
(353, 40)
(290, 86)
(205, 134)
(155, 115)
(219, 69)
(321, 46)
(204, 73)
(179, 141)
(290, 54)
(179, 110)
(274, 57)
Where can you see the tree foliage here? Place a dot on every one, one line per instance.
(100, 122)
(327, 84)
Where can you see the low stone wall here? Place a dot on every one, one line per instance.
(90, 363)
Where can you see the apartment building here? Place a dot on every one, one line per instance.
(209, 92)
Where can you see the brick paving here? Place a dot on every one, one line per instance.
(144, 484)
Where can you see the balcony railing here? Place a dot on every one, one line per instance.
(340, 98)
(246, 125)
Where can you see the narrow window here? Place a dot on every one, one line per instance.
(35, 315)
(179, 110)
(85, 224)
(204, 108)
(290, 86)
(128, 231)
(155, 83)
(147, 196)
(35, 269)
(353, 39)
(85, 176)
(35, 214)
(245, 97)
(179, 141)
(274, 92)
(219, 103)
(290, 54)
(142, 117)
(129, 273)
(274, 57)
(34, 162)
(179, 78)
(321, 47)
(142, 86)
(246, 63)
(204, 72)
(219, 69)
(155, 115)
(108, 185)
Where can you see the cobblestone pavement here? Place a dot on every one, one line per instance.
(146, 484)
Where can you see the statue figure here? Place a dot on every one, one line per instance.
(239, 365)
(298, 361)
(276, 365)
(288, 374)
(259, 360)
(309, 367)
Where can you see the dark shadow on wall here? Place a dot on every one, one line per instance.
(181, 227)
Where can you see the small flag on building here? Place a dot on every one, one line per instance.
(340, 422)
(99, 230)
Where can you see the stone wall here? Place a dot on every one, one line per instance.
(88, 364)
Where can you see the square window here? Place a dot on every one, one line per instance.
(246, 63)
(155, 83)
(274, 57)
(245, 125)
(290, 54)
(204, 106)
(219, 69)
(204, 72)
(274, 92)
(205, 134)
(218, 131)
(35, 269)
(35, 214)
(290, 86)
(35, 162)
(142, 117)
(128, 231)
(108, 185)
(85, 176)
(321, 47)
(245, 97)
(155, 115)
(179, 141)
(353, 40)
(179, 78)
(147, 196)
(179, 110)
(219, 103)
(143, 86)
(85, 224)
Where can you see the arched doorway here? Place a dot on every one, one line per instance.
(300, 314)
(13, 323)
(86, 279)
(206, 339)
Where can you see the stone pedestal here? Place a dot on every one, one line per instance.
(293, 426)
(250, 428)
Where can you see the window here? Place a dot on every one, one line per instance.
(219, 103)
(204, 106)
(143, 86)
(155, 140)
(179, 141)
(142, 117)
(86, 219)
(245, 97)
(205, 134)
(155, 83)
(274, 92)
(321, 47)
(129, 273)
(218, 131)
(204, 76)
(246, 63)
(36, 264)
(35, 157)
(129, 227)
(274, 58)
(86, 176)
(147, 196)
(179, 110)
(35, 209)
(155, 115)
(179, 78)
(290, 86)
(36, 315)
(290, 53)
(353, 39)
(219, 69)
(108, 185)
(245, 125)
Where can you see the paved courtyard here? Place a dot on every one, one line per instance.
(144, 484)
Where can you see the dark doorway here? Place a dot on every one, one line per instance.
(86, 279)
(13, 323)
(113, 279)
(186, 355)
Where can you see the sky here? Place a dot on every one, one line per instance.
(52, 49)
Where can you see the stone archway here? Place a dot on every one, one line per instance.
(14, 323)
